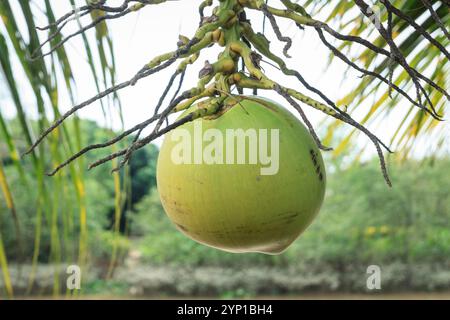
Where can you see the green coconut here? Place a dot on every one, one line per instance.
(242, 206)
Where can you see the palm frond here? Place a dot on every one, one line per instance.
(422, 52)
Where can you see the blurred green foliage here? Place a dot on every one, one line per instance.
(406, 229)
(362, 222)
(99, 188)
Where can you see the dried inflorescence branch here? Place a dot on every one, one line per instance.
(106, 13)
(229, 28)
(436, 17)
(396, 54)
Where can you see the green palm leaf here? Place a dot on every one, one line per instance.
(419, 52)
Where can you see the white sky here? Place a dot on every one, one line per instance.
(140, 36)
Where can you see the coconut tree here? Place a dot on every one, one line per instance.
(399, 48)
(16, 44)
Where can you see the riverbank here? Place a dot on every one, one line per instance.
(331, 296)
(299, 282)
